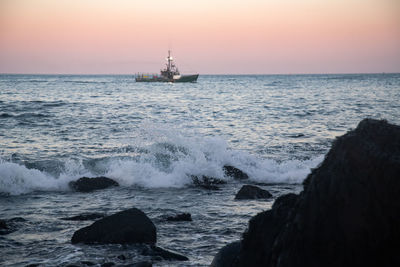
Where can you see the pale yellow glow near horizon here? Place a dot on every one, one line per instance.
(219, 36)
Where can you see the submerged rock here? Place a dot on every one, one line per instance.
(180, 217)
(125, 227)
(235, 173)
(86, 184)
(142, 264)
(252, 192)
(227, 256)
(122, 257)
(163, 253)
(348, 213)
(85, 217)
(207, 182)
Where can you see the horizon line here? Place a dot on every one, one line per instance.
(206, 74)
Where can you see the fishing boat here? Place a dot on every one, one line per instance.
(169, 74)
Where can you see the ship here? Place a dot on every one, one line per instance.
(169, 74)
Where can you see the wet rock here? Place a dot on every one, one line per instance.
(199, 180)
(121, 257)
(86, 184)
(85, 217)
(163, 253)
(252, 192)
(125, 227)
(235, 173)
(180, 217)
(207, 182)
(227, 256)
(348, 213)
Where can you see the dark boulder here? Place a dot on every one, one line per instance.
(207, 182)
(122, 257)
(235, 173)
(180, 217)
(348, 213)
(85, 217)
(162, 253)
(227, 256)
(86, 184)
(252, 192)
(125, 227)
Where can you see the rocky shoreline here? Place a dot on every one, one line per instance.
(347, 215)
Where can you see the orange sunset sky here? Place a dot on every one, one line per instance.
(205, 36)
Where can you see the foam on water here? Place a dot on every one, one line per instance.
(167, 160)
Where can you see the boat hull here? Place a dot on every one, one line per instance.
(187, 79)
(181, 79)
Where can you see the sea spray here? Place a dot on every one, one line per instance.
(162, 165)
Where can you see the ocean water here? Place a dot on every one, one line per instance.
(151, 137)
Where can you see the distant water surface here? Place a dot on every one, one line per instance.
(151, 137)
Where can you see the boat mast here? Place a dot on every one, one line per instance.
(169, 61)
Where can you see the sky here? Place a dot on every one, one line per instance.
(205, 36)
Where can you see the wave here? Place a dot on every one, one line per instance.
(24, 115)
(161, 164)
(84, 82)
(6, 115)
(16, 179)
(31, 115)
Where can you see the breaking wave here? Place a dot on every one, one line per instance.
(166, 163)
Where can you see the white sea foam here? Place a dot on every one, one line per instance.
(167, 159)
(169, 163)
(16, 179)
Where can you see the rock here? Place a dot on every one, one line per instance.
(271, 221)
(85, 217)
(180, 217)
(122, 257)
(142, 264)
(252, 192)
(163, 253)
(235, 173)
(207, 182)
(125, 227)
(227, 255)
(348, 213)
(86, 184)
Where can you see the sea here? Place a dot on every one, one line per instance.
(152, 138)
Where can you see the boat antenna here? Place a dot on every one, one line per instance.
(169, 60)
